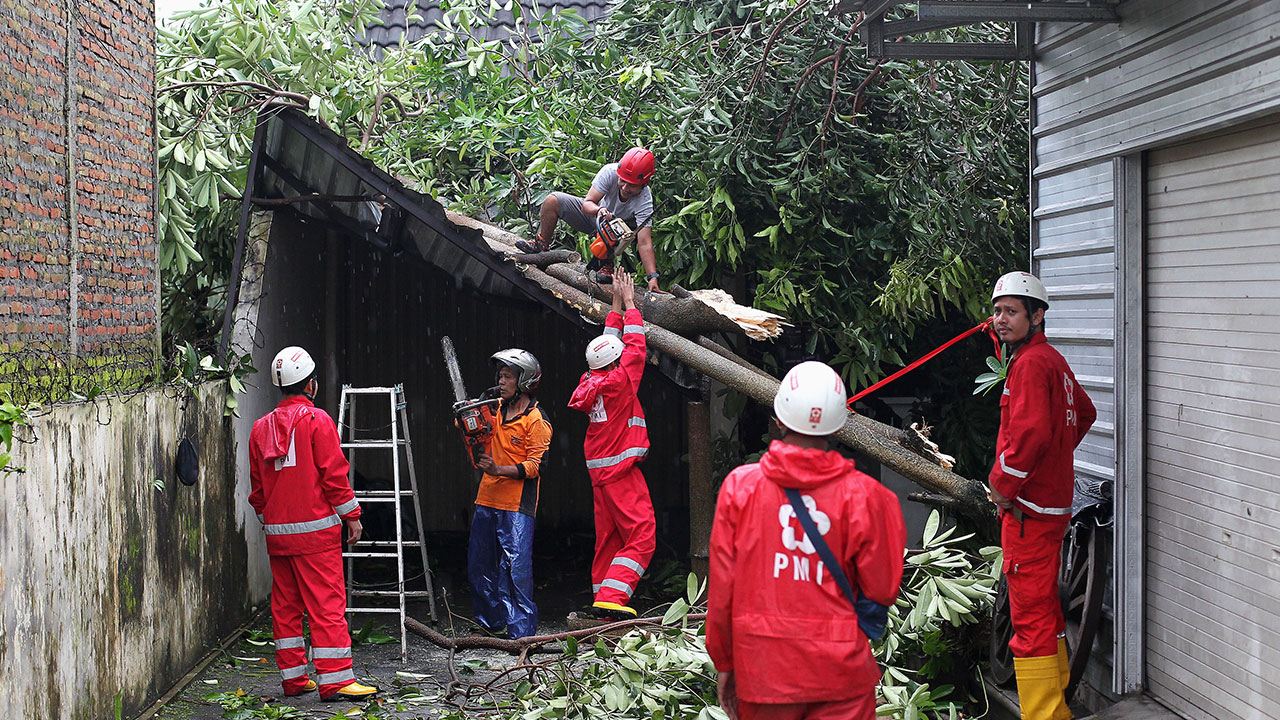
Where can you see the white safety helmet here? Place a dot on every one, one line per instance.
(603, 350)
(811, 400)
(528, 369)
(1022, 285)
(291, 366)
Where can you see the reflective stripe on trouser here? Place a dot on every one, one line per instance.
(312, 584)
(500, 569)
(862, 707)
(625, 537)
(1032, 557)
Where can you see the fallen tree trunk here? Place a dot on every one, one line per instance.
(878, 441)
(685, 316)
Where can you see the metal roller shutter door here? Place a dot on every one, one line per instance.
(1213, 425)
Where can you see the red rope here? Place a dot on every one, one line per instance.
(984, 325)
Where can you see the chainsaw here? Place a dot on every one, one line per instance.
(468, 414)
(609, 234)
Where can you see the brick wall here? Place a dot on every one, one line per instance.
(77, 242)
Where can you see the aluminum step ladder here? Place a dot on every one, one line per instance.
(399, 431)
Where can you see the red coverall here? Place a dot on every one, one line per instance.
(301, 494)
(775, 617)
(617, 441)
(1044, 414)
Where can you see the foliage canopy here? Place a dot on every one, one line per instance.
(863, 209)
(864, 200)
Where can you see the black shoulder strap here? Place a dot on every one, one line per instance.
(824, 550)
(872, 616)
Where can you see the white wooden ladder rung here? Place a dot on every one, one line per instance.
(399, 431)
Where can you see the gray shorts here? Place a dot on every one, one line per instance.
(571, 212)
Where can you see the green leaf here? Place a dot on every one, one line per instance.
(930, 528)
(676, 612)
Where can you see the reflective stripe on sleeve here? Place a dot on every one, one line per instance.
(290, 642)
(330, 652)
(303, 527)
(293, 672)
(596, 588)
(1044, 510)
(342, 676)
(1020, 474)
(346, 507)
(629, 563)
(616, 332)
(617, 585)
(636, 422)
(616, 459)
(628, 329)
(1006, 391)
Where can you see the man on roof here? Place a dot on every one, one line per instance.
(619, 190)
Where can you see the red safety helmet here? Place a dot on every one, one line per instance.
(636, 166)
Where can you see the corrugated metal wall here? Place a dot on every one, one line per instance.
(1213, 425)
(1103, 94)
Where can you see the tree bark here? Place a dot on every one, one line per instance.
(874, 439)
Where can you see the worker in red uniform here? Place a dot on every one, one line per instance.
(617, 441)
(789, 638)
(1044, 414)
(303, 498)
(500, 548)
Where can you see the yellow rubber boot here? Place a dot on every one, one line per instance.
(612, 611)
(1040, 688)
(355, 692)
(1064, 665)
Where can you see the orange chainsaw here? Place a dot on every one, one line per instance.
(609, 235)
(467, 413)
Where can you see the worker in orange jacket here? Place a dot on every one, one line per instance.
(500, 547)
(790, 639)
(1044, 414)
(303, 498)
(617, 441)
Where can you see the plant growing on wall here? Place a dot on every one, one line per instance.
(12, 416)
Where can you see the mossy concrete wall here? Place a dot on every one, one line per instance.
(115, 578)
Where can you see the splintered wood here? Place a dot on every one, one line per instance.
(757, 324)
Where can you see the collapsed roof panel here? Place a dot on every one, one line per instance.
(314, 171)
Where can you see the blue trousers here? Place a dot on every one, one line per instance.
(500, 568)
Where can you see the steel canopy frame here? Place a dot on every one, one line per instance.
(884, 38)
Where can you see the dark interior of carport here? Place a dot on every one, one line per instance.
(371, 286)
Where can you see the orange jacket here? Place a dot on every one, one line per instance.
(521, 441)
(298, 479)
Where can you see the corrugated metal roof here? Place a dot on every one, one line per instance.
(301, 157)
(395, 29)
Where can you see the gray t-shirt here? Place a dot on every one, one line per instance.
(637, 212)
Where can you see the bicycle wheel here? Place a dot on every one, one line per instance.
(1081, 584)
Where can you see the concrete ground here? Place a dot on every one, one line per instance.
(243, 677)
